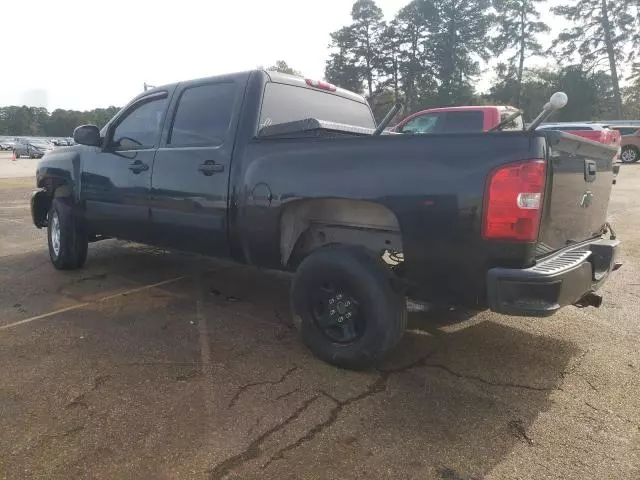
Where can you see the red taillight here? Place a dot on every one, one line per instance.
(514, 202)
(321, 85)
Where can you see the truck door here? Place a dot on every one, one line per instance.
(116, 180)
(190, 179)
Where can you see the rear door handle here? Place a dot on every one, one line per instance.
(138, 166)
(210, 167)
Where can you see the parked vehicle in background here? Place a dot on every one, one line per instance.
(630, 142)
(464, 119)
(593, 131)
(7, 144)
(61, 142)
(32, 148)
(285, 173)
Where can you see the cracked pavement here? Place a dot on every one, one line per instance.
(149, 364)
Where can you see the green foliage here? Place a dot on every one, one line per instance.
(416, 26)
(34, 121)
(518, 26)
(366, 29)
(282, 67)
(590, 94)
(431, 54)
(341, 68)
(599, 34)
(460, 41)
(632, 94)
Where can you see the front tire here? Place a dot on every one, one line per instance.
(68, 243)
(629, 154)
(346, 307)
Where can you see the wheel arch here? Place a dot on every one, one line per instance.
(41, 200)
(306, 225)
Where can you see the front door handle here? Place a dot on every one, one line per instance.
(210, 167)
(138, 166)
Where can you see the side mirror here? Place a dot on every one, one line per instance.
(87, 135)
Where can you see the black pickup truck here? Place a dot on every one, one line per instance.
(286, 173)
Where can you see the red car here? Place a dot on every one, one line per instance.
(459, 120)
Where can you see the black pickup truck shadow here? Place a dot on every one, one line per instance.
(207, 375)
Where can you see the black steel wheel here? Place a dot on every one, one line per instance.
(346, 307)
(335, 311)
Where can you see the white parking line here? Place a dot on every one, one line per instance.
(81, 305)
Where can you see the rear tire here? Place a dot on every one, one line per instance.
(346, 307)
(67, 239)
(630, 154)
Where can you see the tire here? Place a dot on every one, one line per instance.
(629, 154)
(360, 288)
(68, 243)
(16, 154)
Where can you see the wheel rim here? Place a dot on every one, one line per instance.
(629, 155)
(336, 312)
(55, 233)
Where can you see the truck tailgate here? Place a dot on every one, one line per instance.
(577, 193)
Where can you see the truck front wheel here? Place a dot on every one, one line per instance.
(67, 240)
(346, 307)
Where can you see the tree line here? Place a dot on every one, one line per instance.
(433, 52)
(36, 121)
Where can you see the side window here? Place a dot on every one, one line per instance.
(203, 115)
(462, 122)
(140, 128)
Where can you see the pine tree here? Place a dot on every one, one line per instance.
(341, 68)
(600, 33)
(518, 24)
(366, 30)
(415, 27)
(460, 43)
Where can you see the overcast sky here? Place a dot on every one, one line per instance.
(86, 54)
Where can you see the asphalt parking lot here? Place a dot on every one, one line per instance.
(150, 364)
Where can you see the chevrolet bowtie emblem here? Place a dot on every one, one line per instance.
(587, 199)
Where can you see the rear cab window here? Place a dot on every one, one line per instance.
(515, 124)
(461, 121)
(284, 103)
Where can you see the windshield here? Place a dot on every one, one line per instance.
(566, 128)
(284, 103)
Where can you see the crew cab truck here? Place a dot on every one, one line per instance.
(285, 173)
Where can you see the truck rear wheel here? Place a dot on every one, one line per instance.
(67, 239)
(345, 305)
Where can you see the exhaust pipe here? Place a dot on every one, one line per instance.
(589, 300)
